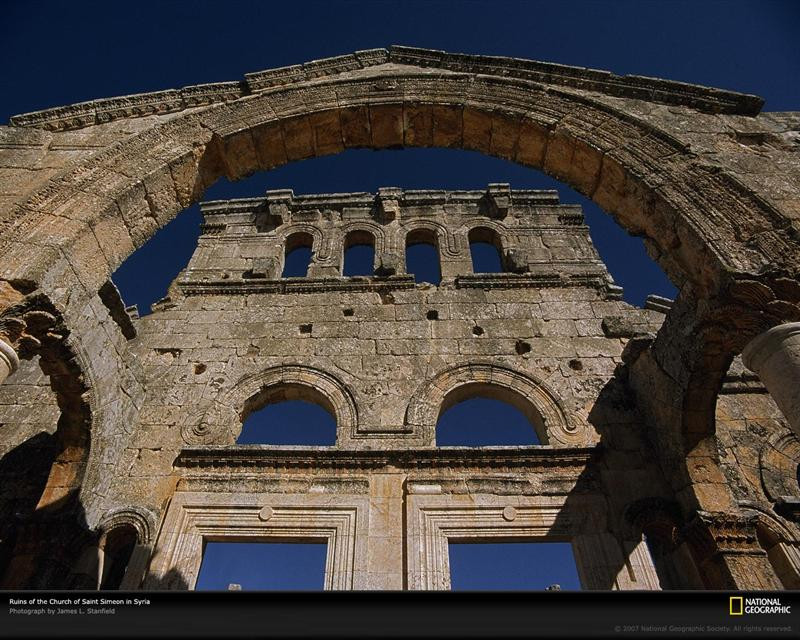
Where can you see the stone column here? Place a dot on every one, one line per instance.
(775, 356)
(9, 362)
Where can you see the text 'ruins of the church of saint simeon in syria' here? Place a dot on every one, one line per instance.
(668, 436)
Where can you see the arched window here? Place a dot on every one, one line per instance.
(119, 545)
(486, 250)
(479, 415)
(298, 255)
(288, 414)
(422, 256)
(359, 254)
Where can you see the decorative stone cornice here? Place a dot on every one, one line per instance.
(247, 457)
(405, 197)
(628, 86)
(85, 114)
(295, 285)
(531, 280)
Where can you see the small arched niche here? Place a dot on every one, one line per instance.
(288, 414)
(422, 256)
(359, 254)
(479, 414)
(486, 250)
(297, 255)
(118, 549)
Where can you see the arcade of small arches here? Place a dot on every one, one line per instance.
(483, 242)
(702, 174)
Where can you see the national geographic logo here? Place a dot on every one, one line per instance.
(739, 606)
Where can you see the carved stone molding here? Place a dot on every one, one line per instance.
(143, 521)
(568, 462)
(84, 114)
(321, 247)
(598, 280)
(196, 285)
(449, 242)
(383, 242)
(196, 517)
(435, 521)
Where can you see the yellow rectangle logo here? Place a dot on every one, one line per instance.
(737, 605)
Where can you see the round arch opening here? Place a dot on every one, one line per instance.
(479, 414)
(287, 415)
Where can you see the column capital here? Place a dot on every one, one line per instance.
(709, 533)
(760, 348)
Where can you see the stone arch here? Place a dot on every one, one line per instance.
(446, 241)
(222, 422)
(361, 231)
(141, 520)
(721, 236)
(320, 249)
(429, 399)
(489, 233)
(372, 228)
(126, 537)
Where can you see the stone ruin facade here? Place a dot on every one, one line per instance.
(670, 450)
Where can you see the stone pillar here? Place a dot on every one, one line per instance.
(385, 543)
(9, 362)
(775, 356)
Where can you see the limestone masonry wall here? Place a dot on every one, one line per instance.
(669, 434)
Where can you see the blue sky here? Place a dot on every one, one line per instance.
(63, 52)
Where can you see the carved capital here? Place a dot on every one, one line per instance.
(711, 533)
(29, 324)
(750, 308)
